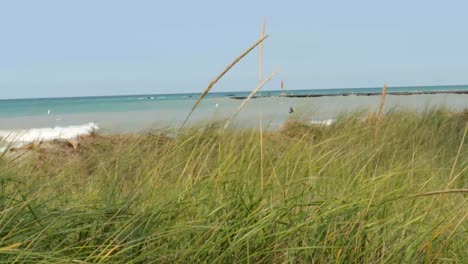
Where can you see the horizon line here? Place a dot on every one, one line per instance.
(125, 95)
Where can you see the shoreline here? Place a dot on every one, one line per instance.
(73, 136)
(272, 110)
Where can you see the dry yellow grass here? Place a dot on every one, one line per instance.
(246, 100)
(215, 80)
(382, 102)
(381, 110)
(260, 53)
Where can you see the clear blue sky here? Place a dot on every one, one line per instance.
(53, 48)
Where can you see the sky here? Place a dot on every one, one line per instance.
(56, 48)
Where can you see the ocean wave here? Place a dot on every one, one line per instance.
(21, 137)
(326, 122)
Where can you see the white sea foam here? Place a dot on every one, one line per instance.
(326, 122)
(20, 137)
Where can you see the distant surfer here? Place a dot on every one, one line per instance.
(291, 110)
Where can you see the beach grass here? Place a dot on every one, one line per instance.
(331, 194)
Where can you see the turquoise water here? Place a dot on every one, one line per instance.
(161, 102)
(63, 117)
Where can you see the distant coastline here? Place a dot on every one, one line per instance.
(296, 95)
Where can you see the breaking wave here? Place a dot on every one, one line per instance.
(326, 122)
(24, 136)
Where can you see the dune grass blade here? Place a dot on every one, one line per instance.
(260, 52)
(462, 142)
(215, 80)
(441, 192)
(382, 102)
(380, 113)
(254, 91)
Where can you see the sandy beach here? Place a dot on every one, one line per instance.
(272, 110)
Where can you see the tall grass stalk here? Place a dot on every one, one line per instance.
(381, 111)
(260, 52)
(252, 94)
(215, 80)
(382, 102)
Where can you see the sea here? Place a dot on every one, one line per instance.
(26, 120)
